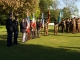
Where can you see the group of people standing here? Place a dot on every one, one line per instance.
(32, 29)
(28, 29)
(12, 27)
(70, 25)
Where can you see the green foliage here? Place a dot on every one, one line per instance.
(45, 4)
(66, 13)
(54, 15)
(3, 19)
(19, 7)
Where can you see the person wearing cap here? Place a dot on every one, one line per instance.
(15, 29)
(9, 28)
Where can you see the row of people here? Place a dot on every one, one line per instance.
(71, 25)
(12, 27)
(28, 30)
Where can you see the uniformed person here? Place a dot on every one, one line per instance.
(62, 26)
(15, 29)
(9, 27)
(74, 25)
(79, 25)
(71, 26)
(38, 25)
(46, 28)
(67, 25)
(55, 27)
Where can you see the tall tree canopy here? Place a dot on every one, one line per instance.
(70, 4)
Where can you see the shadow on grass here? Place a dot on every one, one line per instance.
(24, 51)
(70, 47)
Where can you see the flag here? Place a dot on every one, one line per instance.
(49, 15)
(42, 20)
(28, 21)
(60, 16)
(33, 23)
(28, 24)
(33, 19)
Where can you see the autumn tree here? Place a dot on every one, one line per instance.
(20, 7)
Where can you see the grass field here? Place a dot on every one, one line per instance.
(60, 47)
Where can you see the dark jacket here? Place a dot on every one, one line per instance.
(9, 25)
(15, 26)
(23, 26)
(38, 25)
(62, 24)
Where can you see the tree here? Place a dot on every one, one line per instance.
(66, 13)
(55, 4)
(70, 4)
(45, 4)
(19, 7)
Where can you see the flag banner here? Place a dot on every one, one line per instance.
(33, 23)
(33, 19)
(60, 16)
(42, 20)
(28, 24)
(49, 15)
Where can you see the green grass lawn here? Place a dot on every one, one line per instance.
(60, 47)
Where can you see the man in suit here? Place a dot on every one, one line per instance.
(15, 29)
(9, 27)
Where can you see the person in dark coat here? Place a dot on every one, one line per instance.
(23, 26)
(67, 25)
(15, 29)
(38, 27)
(62, 26)
(9, 27)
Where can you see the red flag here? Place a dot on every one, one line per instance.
(49, 15)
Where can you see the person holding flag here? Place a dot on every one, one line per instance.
(33, 25)
(46, 27)
(28, 27)
(23, 26)
(48, 15)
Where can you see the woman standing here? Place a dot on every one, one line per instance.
(23, 26)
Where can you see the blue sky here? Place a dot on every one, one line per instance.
(77, 4)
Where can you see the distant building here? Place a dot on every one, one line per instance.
(51, 24)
